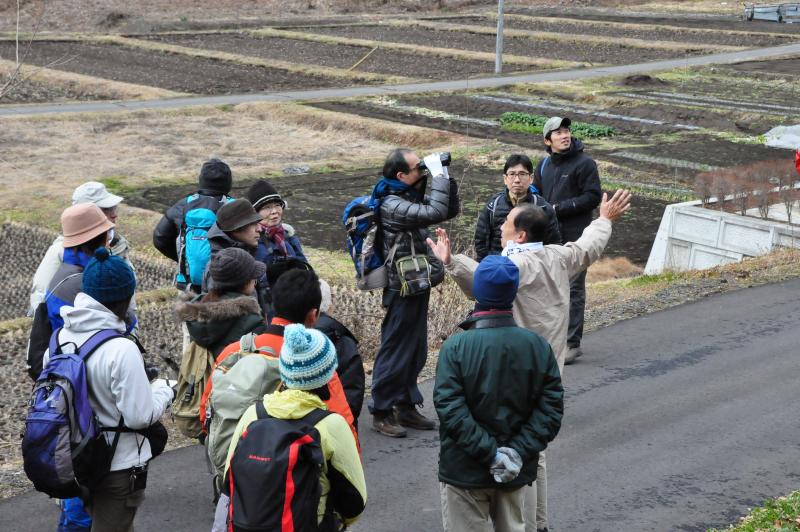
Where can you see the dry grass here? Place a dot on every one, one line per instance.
(78, 83)
(608, 268)
(416, 49)
(46, 157)
(626, 42)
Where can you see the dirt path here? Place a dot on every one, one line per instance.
(320, 94)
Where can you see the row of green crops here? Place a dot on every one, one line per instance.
(527, 123)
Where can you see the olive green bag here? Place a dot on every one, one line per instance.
(414, 272)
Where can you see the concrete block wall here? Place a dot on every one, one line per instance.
(692, 237)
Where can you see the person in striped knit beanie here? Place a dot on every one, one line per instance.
(307, 362)
(308, 358)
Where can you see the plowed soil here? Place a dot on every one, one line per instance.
(712, 22)
(168, 71)
(338, 56)
(316, 203)
(643, 32)
(581, 52)
(778, 66)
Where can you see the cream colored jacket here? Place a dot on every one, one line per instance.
(542, 302)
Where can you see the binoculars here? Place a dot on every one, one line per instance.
(443, 156)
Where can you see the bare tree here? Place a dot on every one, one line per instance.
(721, 187)
(702, 187)
(16, 77)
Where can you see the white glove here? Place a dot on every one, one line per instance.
(506, 465)
(434, 165)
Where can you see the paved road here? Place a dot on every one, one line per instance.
(675, 421)
(476, 83)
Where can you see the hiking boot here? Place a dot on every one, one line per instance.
(572, 354)
(387, 425)
(408, 416)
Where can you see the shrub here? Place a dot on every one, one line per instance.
(528, 123)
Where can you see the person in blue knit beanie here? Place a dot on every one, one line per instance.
(307, 362)
(120, 390)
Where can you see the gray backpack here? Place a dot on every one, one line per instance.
(240, 380)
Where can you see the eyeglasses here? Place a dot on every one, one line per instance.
(272, 207)
(521, 175)
(109, 210)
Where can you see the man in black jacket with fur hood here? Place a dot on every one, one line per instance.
(568, 179)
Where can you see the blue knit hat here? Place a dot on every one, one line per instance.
(107, 278)
(308, 358)
(495, 282)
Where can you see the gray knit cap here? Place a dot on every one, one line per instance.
(233, 267)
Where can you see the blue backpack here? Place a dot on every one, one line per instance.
(194, 250)
(63, 450)
(360, 219)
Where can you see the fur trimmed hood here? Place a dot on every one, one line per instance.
(190, 308)
(215, 324)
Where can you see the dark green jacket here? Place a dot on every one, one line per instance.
(496, 386)
(216, 324)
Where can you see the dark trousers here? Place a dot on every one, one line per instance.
(114, 505)
(403, 351)
(577, 304)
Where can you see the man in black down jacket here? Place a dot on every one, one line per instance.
(518, 178)
(405, 214)
(214, 183)
(568, 179)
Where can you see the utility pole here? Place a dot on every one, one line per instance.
(498, 60)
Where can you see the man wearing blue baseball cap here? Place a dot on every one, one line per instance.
(499, 398)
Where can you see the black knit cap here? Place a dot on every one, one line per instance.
(236, 214)
(262, 192)
(215, 176)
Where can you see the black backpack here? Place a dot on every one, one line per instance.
(274, 473)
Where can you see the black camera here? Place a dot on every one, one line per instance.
(443, 156)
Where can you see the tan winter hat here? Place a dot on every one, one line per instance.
(81, 223)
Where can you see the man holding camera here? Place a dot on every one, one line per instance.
(405, 214)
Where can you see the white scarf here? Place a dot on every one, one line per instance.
(512, 248)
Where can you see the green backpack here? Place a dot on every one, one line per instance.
(196, 364)
(240, 380)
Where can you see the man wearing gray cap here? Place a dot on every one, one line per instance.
(567, 178)
(89, 192)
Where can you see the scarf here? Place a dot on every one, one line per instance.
(277, 235)
(386, 186)
(512, 248)
(75, 257)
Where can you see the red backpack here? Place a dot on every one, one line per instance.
(274, 473)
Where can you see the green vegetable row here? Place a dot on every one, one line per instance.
(527, 123)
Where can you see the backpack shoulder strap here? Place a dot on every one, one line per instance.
(261, 412)
(54, 345)
(95, 341)
(543, 165)
(316, 415)
(493, 207)
(277, 330)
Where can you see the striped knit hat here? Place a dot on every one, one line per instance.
(308, 358)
